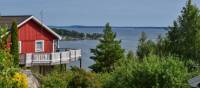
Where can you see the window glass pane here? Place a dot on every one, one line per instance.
(39, 46)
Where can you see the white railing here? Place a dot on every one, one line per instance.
(55, 57)
(30, 59)
(65, 56)
(41, 58)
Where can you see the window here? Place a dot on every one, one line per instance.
(20, 46)
(39, 46)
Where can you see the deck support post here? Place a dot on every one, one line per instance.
(80, 59)
(60, 63)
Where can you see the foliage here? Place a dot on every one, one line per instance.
(75, 78)
(20, 80)
(83, 79)
(107, 52)
(6, 60)
(152, 72)
(145, 46)
(8, 72)
(162, 47)
(6, 69)
(93, 36)
(103, 78)
(184, 35)
(3, 37)
(130, 55)
(71, 35)
(14, 43)
(56, 79)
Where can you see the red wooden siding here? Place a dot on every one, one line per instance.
(32, 31)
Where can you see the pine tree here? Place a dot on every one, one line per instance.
(14, 43)
(107, 52)
(184, 35)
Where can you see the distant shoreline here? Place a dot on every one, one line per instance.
(77, 26)
(75, 35)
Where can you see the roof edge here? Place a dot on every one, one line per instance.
(43, 25)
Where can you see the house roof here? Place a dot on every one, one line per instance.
(20, 20)
(7, 20)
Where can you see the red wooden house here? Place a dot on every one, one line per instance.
(38, 43)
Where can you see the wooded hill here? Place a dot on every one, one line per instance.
(75, 35)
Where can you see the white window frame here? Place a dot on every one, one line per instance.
(53, 46)
(36, 50)
(20, 46)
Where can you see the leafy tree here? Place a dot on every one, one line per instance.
(184, 35)
(152, 72)
(14, 43)
(145, 46)
(3, 37)
(130, 55)
(10, 77)
(162, 47)
(107, 52)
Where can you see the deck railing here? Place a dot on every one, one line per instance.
(30, 59)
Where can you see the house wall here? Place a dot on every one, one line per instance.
(32, 31)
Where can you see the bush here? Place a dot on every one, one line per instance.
(153, 71)
(6, 60)
(145, 46)
(9, 75)
(75, 78)
(103, 78)
(20, 80)
(56, 79)
(83, 79)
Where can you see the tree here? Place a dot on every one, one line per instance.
(107, 52)
(145, 46)
(152, 72)
(130, 55)
(3, 37)
(10, 76)
(184, 35)
(14, 44)
(162, 47)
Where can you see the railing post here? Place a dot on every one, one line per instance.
(69, 56)
(80, 62)
(24, 59)
(60, 62)
(32, 59)
(50, 59)
(75, 54)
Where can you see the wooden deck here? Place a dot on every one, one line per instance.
(30, 59)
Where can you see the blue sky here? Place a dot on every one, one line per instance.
(98, 12)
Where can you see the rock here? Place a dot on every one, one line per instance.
(194, 82)
(32, 81)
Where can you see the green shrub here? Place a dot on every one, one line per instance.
(145, 46)
(153, 71)
(83, 79)
(4, 36)
(56, 79)
(9, 75)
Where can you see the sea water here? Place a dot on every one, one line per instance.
(129, 37)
